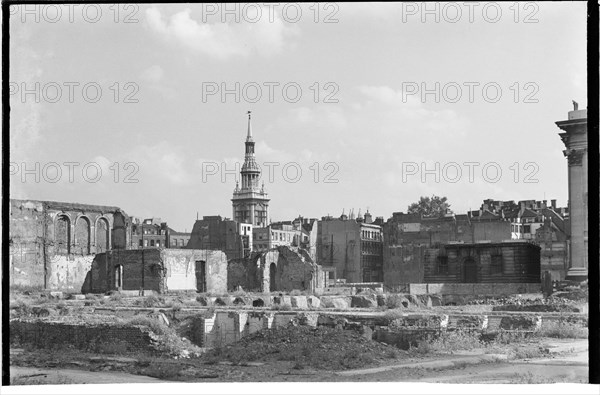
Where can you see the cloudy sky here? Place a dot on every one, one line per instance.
(144, 107)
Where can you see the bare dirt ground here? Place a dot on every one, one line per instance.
(467, 367)
(304, 354)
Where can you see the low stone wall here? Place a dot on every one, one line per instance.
(99, 338)
(474, 289)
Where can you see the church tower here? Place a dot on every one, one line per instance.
(250, 202)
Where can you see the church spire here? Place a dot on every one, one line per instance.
(249, 137)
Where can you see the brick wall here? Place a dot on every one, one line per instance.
(94, 338)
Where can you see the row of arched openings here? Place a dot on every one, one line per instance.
(80, 243)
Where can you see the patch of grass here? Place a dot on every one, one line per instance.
(391, 315)
(563, 330)
(296, 292)
(151, 301)
(115, 297)
(162, 370)
(530, 378)
(156, 326)
(449, 342)
(20, 288)
(40, 379)
(395, 301)
(91, 297)
(529, 352)
(22, 307)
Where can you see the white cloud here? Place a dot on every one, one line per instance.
(153, 74)
(222, 40)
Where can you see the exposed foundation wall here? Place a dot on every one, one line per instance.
(490, 289)
(94, 338)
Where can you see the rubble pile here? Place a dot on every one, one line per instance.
(319, 348)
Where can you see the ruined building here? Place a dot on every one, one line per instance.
(158, 270)
(250, 202)
(217, 233)
(280, 269)
(575, 141)
(52, 244)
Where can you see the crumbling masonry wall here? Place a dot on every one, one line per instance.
(52, 244)
(159, 270)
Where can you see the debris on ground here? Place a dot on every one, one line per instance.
(318, 348)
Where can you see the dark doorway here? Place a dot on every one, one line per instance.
(201, 276)
(469, 271)
(119, 277)
(272, 274)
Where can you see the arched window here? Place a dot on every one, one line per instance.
(62, 235)
(82, 236)
(102, 236)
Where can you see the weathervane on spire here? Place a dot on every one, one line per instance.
(249, 137)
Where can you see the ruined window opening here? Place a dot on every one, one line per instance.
(496, 265)
(201, 276)
(119, 277)
(102, 236)
(272, 274)
(442, 265)
(63, 235)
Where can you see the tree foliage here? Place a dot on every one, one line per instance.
(430, 206)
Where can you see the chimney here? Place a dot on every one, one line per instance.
(553, 204)
(544, 205)
(368, 217)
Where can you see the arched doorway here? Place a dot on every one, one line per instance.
(469, 271)
(272, 274)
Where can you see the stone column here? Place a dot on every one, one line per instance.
(575, 140)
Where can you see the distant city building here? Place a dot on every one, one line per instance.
(250, 202)
(505, 262)
(575, 141)
(217, 233)
(153, 233)
(352, 246)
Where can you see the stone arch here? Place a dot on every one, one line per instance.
(62, 233)
(82, 239)
(102, 234)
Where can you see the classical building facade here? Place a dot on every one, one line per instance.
(250, 202)
(575, 140)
